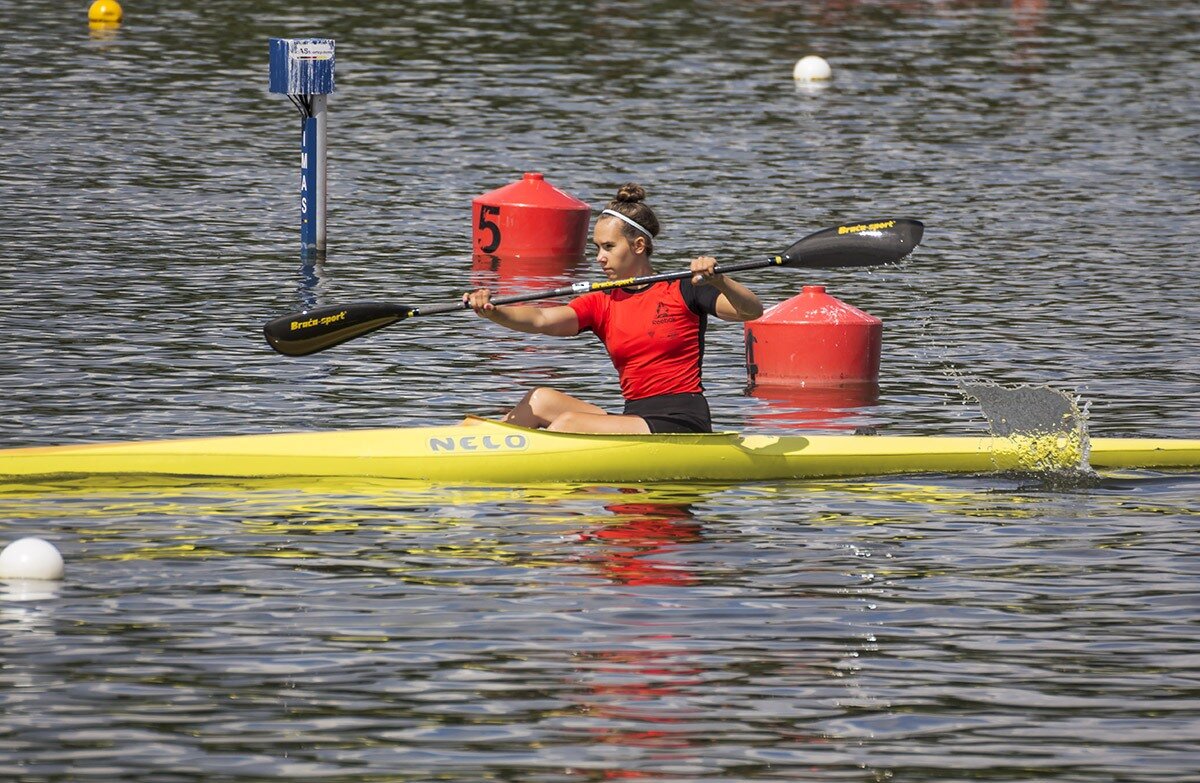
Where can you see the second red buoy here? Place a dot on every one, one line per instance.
(813, 338)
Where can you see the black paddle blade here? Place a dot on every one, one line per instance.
(300, 334)
(871, 243)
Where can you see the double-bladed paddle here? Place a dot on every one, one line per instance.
(871, 243)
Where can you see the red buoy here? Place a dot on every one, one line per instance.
(529, 218)
(813, 339)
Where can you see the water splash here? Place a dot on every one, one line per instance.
(1048, 427)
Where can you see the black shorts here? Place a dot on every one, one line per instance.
(672, 412)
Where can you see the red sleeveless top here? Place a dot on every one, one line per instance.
(655, 337)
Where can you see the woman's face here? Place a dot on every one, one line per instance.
(617, 256)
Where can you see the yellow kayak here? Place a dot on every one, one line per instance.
(490, 452)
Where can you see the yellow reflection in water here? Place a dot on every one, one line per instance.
(276, 519)
(285, 521)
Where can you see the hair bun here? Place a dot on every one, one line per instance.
(631, 193)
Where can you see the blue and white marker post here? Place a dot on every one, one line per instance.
(302, 69)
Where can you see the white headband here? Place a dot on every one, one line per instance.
(628, 220)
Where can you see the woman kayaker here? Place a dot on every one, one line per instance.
(654, 334)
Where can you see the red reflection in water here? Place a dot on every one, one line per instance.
(507, 276)
(1028, 15)
(809, 407)
(635, 547)
(640, 694)
(631, 686)
(651, 677)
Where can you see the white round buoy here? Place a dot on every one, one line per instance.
(812, 69)
(31, 558)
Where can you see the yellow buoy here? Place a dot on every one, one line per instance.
(105, 11)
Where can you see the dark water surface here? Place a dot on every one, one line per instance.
(993, 627)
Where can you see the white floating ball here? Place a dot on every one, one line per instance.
(812, 69)
(30, 558)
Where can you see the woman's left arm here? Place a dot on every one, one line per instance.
(736, 302)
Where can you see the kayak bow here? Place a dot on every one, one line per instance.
(491, 452)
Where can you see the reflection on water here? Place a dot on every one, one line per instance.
(312, 281)
(1012, 628)
(638, 550)
(833, 407)
(19, 590)
(507, 276)
(598, 632)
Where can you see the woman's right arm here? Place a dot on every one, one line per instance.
(559, 321)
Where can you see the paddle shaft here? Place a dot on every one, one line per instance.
(576, 289)
(870, 243)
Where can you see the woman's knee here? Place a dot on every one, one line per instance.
(543, 399)
(565, 422)
(536, 409)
